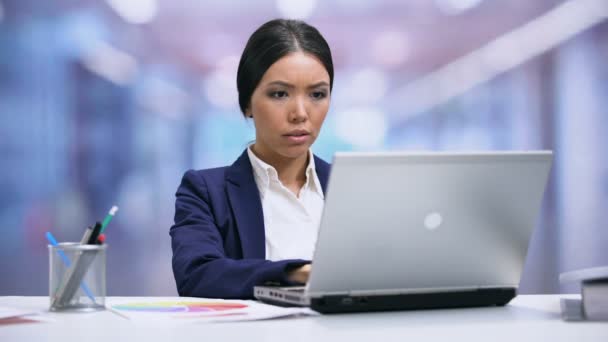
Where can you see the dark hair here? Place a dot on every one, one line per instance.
(272, 41)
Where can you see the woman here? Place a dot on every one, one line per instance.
(255, 222)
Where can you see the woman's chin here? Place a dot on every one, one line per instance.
(294, 151)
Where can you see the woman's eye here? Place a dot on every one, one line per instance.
(318, 95)
(278, 94)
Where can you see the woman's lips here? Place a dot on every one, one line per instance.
(297, 138)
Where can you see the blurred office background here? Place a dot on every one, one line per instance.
(109, 102)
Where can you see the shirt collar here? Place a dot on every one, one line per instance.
(311, 174)
(264, 173)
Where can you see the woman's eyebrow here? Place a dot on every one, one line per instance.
(318, 84)
(282, 83)
(291, 86)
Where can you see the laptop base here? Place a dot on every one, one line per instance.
(440, 300)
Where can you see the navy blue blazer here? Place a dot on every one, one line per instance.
(218, 238)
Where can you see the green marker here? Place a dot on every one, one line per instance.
(108, 218)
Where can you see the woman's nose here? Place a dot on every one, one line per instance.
(298, 111)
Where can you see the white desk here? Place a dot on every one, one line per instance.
(526, 318)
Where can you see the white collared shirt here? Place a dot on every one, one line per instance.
(291, 223)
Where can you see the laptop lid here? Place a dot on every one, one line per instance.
(402, 222)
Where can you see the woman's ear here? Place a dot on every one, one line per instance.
(248, 113)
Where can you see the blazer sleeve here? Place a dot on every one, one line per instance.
(200, 265)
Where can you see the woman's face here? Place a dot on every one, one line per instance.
(289, 106)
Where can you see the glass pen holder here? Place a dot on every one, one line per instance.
(77, 277)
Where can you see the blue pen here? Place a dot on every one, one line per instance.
(67, 263)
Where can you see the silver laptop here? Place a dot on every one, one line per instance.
(423, 230)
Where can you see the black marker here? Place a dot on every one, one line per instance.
(94, 234)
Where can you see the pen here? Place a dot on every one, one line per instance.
(108, 218)
(66, 262)
(87, 235)
(53, 242)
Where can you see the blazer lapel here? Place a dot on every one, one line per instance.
(244, 199)
(322, 168)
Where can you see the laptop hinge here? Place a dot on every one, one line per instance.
(355, 293)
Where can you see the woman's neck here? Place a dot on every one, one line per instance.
(291, 171)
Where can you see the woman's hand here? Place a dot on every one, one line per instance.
(300, 274)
